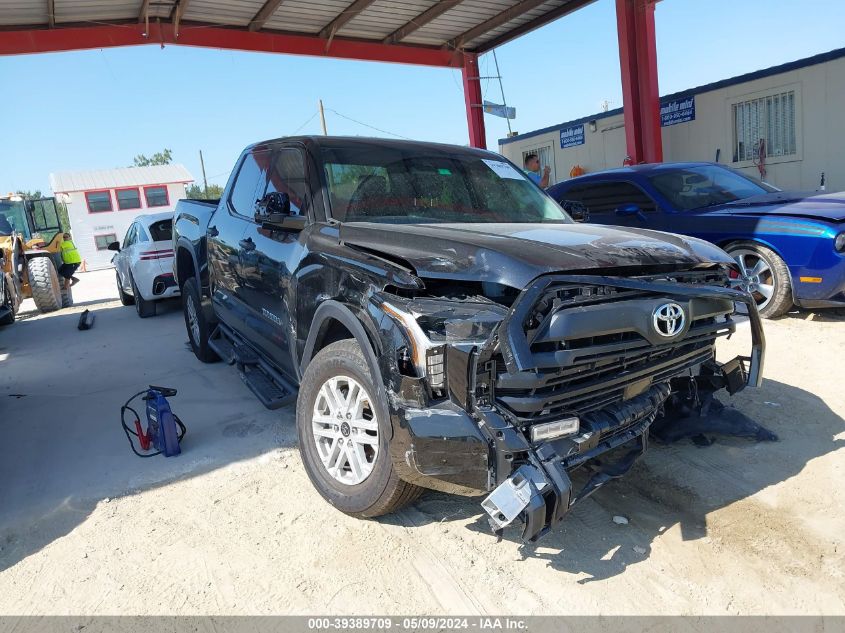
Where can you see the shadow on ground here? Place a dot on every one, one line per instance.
(61, 390)
(675, 485)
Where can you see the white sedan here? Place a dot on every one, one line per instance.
(144, 263)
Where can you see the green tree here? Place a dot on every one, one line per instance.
(195, 192)
(164, 157)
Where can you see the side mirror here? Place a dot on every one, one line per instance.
(629, 209)
(273, 212)
(114, 246)
(273, 204)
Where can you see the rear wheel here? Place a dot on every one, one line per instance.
(764, 275)
(199, 329)
(143, 307)
(343, 430)
(44, 284)
(125, 299)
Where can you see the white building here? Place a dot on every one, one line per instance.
(102, 204)
(797, 109)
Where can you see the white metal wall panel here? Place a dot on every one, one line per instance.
(306, 16)
(239, 12)
(23, 12)
(462, 18)
(96, 10)
(383, 17)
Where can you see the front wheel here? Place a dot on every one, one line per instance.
(44, 284)
(343, 429)
(764, 275)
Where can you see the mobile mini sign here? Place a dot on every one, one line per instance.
(572, 136)
(677, 111)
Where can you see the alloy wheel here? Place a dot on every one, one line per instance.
(345, 430)
(755, 276)
(193, 321)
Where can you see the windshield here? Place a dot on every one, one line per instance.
(706, 186)
(13, 217)
(411, 186)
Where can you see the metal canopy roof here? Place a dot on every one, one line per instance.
(472, 26)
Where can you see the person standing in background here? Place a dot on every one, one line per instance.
(70, 261)
(532, 170)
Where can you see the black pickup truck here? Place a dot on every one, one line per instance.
(446, 325)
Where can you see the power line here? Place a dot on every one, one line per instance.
(311, 118)
(372, 127)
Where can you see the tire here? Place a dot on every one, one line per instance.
(44, 284)
(67, 297)
(380, 491)
(199, 329)
(7, 302)
(144, 308)
(125, 299)
(765, 275)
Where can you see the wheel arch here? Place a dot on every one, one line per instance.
(331, 320)
(186, 263)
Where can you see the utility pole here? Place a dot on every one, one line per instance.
(502, 88)
(204, 181)
(323, 118)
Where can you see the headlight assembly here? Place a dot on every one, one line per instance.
(432, 324)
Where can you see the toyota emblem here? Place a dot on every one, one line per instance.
(669, 319)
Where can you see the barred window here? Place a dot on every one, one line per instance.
(770, 120)
(546, 157)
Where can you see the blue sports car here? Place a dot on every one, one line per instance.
(790, 246)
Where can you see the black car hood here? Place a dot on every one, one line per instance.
(803, 204)
(514, 254)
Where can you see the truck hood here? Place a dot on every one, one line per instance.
(802, 204)
(514, 254)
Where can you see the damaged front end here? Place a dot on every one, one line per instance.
(507, 400)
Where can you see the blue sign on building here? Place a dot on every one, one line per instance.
(677, 111)
(572, 136)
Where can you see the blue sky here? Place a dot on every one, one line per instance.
(98, 109)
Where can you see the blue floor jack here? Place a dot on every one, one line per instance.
(162, 423)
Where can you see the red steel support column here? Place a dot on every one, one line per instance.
(472, 96)
(641, 97)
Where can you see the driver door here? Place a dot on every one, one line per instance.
(270, 257)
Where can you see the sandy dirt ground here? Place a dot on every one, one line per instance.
(233, 526)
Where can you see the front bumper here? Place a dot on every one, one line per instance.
(468, 445)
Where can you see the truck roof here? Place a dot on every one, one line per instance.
(353, 141)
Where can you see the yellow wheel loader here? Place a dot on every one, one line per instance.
(30, 257)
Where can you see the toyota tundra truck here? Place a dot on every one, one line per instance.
(443, 324)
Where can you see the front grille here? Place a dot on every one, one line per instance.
(590, 346)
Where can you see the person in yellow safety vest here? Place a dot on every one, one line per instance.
(70, 261)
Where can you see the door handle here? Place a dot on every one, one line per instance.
(247, 244)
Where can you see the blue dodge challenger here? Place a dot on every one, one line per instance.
(790, 246)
